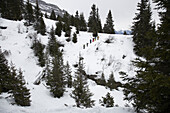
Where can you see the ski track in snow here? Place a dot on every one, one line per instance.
(42, 101)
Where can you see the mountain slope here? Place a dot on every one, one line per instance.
(18, 45)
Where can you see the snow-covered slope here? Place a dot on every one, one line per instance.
(98, 56)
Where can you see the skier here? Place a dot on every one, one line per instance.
(83, 46)
(90, 41)
(97, 37)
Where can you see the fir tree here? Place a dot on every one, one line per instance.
(77, 22)
(20, 92)
(67, 30)
(67, 72)
(5, 76)
(58, 29)
(99, 25)
(149, 88)
(81, 92)
(107, 101)
(83, 26)
(141, 27)
(108, 27)
(46, 16)
(74, 38)
(53, 15)
(55, 78)
(41, 26)
(38, 48)
(52, 44)
(11, 9)
(111, 82)
(92, 21)
(102, 80)
(72, 20)
(29, 16)
(37, 11)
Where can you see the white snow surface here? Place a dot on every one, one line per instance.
(41, 100)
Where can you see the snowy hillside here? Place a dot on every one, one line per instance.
(98, 57)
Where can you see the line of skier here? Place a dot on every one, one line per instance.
(91, 40)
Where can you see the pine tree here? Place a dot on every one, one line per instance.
(67, 30)
(53, 15)
(83, 26)
(56, 78)
(72, 20)
(102, 80)
(149, 88)
(92, 21)
(37, 11)
(108, 27)
(58, 29)
(5, 76)
(107, 101)
(67, 72)
(46, 16)
(52, 44)
(99, 25)
(11, 9)
(29, 16)
(77, 22)
(111, 82)
(141, 27)
(81, 92)
(20, 92)
(74, 38)
(41, 26)
(38, 48)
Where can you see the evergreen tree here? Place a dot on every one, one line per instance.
(81, 92)
(141, 27)
(66, 26)
(67, 30)
(46, 16)
(102, 80)
(108, 27)
(41, 26)
(11, 9)
(67, 72)
(99, 25)
(92, 21)
(124, 33)
(20, 92)
(72, 20)
(58, 29)
(74, 38)
(107, 101)
(55, 78)
(5, 77)
(111, 82)
(149, 88)
(59, 18)
(29, 16)
(53, 15)
(52, 44)
(38, 48)
(83, 26)
(37, 11)
(77, 22)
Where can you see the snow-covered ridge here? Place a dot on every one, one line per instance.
(42, 102)
(47, 7)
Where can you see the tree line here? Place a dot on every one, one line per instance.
(18, 10)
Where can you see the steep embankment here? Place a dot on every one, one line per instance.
(98, 57)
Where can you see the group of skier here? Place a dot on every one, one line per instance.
(91, 40)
